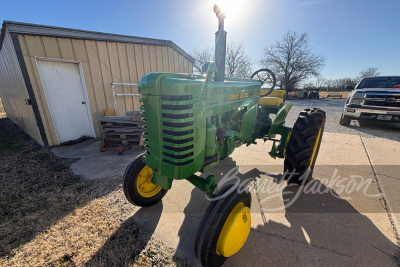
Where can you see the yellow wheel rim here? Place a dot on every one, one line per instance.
(235, 231)
(144, 185)
(315, 147)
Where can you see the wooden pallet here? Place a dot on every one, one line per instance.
(120, 133)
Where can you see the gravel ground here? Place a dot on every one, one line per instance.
(333, 109)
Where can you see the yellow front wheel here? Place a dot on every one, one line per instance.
(224, 227)
(137, 185)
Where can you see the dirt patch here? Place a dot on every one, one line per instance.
(51, 217)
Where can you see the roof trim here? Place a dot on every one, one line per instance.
(35, 29)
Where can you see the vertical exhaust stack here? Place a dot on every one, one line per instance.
(220, 46)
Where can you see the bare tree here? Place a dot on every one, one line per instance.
(328, 84)
(292, 60)
(320, 82)
(370, 71)
(237, 62)
(201, 57)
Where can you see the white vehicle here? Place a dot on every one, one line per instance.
(376, 98)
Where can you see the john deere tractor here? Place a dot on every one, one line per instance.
(191, 122)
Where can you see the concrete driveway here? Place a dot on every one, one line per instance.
(340, 218)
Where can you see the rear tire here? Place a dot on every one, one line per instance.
(303, 146)
(344, 120)
(133, 175)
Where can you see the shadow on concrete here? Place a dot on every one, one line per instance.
(125, 244)
(198, 204)
(376, 128)
(323, 230)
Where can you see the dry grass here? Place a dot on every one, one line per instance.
(51, 217)
(323, 94)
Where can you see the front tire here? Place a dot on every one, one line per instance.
(137, 185)
(344, 120)
(224, 228)
(303, 146)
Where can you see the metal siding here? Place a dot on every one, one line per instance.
(130, 51)
(159, 58)
(78, 48)
(14, 92)
(34, 46)
(146, 58)
(139, 61)
(165, 59)
(171, 65)
(181, 64)
(116, 77)
(102, 63)
(66, 48)
(190, 67)
(176, 62)
(106, 73)
(186, 65)
(89, 49)
(51, 47)
(153, 58)
(123, 63)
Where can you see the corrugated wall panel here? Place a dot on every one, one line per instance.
(36, 48)
(102, 63)
(78, 50)
(153, 58)
(130, 52)
(125, 77)
(171, 65)
(165, 59)
(159, 58)
(66, 48)
(116, 76)
(14, 92)
(96, 74)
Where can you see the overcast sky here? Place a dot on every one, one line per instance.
(352, 34)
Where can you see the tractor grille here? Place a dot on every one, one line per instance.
(382, 100)
(177, 129)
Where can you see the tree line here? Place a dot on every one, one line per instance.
(291, 59)
(321, 83)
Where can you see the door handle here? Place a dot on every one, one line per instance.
(83, 102)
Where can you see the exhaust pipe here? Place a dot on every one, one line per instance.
(220, 46)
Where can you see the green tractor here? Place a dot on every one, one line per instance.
(191, 122)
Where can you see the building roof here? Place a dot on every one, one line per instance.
(44, 30)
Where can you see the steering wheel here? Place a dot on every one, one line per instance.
(267, 79)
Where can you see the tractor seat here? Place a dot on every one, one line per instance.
(274, 93)
(275, 98)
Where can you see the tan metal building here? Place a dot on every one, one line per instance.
(54, 81)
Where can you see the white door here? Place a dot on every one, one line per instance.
(66, 98)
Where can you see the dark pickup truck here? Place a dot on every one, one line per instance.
(376, 98)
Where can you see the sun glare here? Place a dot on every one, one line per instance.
(231, 8)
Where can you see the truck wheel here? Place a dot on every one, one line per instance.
(224, 228)
(344, 120)
(137, 185)
(303, 146)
